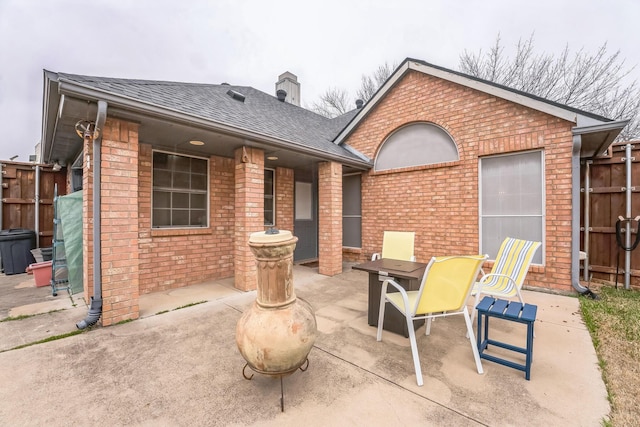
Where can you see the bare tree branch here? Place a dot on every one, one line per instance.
(334, 102)
(370, 84)
(590, 82)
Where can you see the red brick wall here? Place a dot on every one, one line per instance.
(351, 254)
(440, 202)
(329, 218)
(173, 258)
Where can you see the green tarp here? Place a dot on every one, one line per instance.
(70, 214)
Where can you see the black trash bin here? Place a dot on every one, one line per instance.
(15, 249)
(47, 253)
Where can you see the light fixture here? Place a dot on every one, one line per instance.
(272, 157)
(196, 142)
(56, 166)
(87, 129)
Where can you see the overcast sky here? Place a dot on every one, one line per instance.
(326, 43)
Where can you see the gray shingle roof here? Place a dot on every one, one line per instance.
(260, 112)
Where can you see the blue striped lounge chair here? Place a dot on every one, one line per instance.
(509, 271)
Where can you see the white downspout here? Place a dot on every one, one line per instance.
(575, 217)
(37, 206)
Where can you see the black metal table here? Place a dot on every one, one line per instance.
(406, 273)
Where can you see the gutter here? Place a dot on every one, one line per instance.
(607, 132)
(617, 125)
(95, 309)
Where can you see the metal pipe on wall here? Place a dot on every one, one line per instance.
(627, 237)
(575, 217)
(37, 206)
(95, 309)
(587, 218)
(1, 195)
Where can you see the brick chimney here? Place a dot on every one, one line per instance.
(289, 83)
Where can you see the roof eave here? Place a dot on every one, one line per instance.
(121, 103)
(596, 139)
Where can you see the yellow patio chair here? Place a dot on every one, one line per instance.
(508, 272)
(445, 288)
(397, 245)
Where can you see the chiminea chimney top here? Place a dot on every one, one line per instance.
(281, 94)
(359, 103)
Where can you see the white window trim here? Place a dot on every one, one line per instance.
(273, 200)
(543, 216)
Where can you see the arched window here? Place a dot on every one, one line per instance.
(416, 144)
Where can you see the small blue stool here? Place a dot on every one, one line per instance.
(508, 310)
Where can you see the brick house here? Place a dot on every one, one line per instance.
(188, 171)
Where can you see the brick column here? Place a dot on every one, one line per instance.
(284, 199)
(330, 218)
(249, 208)
(119, 222)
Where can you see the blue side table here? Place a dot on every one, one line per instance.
(512, 311)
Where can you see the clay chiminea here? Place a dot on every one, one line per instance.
(277, 333)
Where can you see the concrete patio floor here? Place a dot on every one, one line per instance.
(182, 367)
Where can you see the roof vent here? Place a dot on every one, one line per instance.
(225, 84)
(359, 103)
(236, 95)
(281, 94)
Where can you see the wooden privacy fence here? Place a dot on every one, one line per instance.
(607, 200)
(24, 187)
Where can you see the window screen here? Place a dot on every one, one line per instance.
(416, 144)
(351, 211)
(511, 200)
(304, 201)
